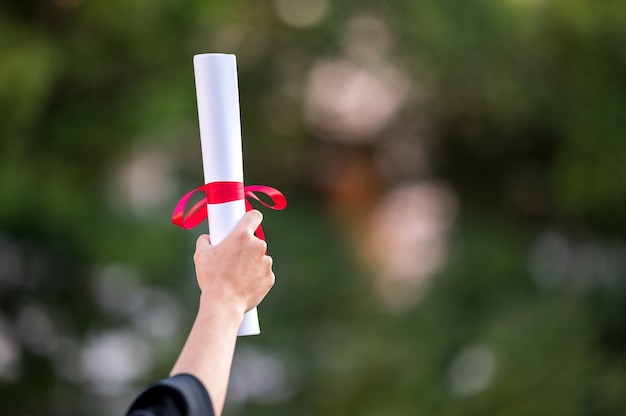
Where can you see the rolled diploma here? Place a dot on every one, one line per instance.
(220, 136)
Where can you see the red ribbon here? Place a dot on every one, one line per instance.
(219, 193)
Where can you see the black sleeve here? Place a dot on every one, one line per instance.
(181, 395)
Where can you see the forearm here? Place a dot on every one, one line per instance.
(209, 349)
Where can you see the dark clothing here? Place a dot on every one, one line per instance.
(181, 395)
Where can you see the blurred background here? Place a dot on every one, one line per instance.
(454, 242)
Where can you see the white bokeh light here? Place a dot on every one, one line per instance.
(10, 353)
(349, 102)
(261, 377)
(142, 182)
(472, 370)
(301, 13)
(408, 241)
(111, 360)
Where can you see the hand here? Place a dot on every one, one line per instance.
(236, 272)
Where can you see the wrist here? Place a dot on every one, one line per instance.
(228, 314)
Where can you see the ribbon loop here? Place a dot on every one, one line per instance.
(222, 192)
(278, 199)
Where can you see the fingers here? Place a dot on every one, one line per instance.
(269, 276)
(264, 281)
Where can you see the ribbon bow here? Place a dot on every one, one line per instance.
(221, 192)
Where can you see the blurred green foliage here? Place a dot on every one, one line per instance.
(524, 103)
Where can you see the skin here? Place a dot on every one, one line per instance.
(234, 276)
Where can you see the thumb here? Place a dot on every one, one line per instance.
(251, 221)
(202, 241)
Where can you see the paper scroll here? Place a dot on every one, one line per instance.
(220, 135)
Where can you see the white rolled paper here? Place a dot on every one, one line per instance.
(220, 135)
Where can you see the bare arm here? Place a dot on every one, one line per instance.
(234, 276)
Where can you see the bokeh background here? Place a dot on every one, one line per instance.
(454, 242)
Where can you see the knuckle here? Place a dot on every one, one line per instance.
(197, 256)
(270, 280)
(240, 235)
(259, 245)
(239, 232)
